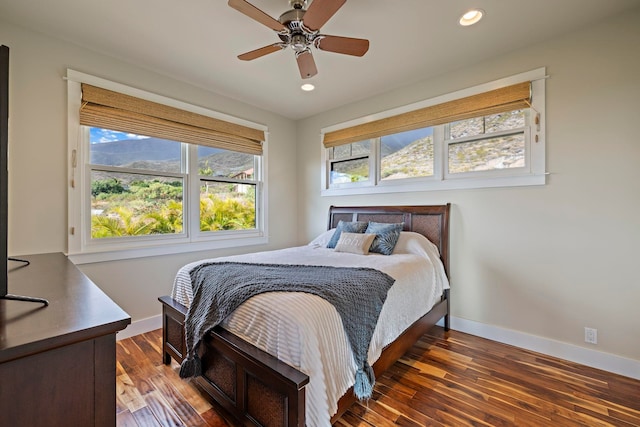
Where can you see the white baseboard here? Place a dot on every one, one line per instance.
(593, 358)
(140, 327)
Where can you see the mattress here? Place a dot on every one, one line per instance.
(308, 334)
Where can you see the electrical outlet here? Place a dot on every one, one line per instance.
(591, 335)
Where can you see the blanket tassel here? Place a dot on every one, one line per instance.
(365, 379)
(191, 367)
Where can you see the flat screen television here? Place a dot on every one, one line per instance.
(4, 185)
(4, 142)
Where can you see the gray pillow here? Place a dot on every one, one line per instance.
(349, 227)
(387, 236)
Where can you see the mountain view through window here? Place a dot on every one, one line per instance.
(138, 186)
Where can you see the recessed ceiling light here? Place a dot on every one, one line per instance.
(471, 17)
(307, 87)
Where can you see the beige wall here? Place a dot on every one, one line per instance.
(549, 260)
(38, 164)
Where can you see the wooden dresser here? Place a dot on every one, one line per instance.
(57, 362)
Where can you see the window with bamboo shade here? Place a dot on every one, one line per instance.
(489, 135)
(158, 175)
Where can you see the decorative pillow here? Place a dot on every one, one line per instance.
(322, 239)
(414, 243)
(348, 227)
(355, 243)
(386, 236)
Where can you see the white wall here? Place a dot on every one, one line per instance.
(542, 261)
(38, 171)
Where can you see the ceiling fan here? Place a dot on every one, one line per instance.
(299, 28)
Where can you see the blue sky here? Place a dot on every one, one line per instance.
(98, 135)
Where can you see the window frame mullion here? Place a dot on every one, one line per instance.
(439, 156)
(193, 210)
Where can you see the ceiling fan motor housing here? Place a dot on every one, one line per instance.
(292, 18)
(298, 37)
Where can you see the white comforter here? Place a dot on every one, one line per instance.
(308, 335)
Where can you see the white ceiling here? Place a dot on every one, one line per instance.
(197, 41)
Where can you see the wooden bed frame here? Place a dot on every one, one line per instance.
(255, 387)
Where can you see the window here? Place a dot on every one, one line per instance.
(143, 184)
(487, 136)
(228, 189)
(350, 163)
(137, 185)
(407, 154)
(487, 143)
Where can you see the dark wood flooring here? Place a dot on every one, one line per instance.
(446, 379)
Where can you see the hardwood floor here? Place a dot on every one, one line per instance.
(446, 379)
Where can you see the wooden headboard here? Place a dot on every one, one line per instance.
(430, 221)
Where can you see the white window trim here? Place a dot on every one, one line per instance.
(80, 251)
(535, 176)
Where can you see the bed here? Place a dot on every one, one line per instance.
(259, 380)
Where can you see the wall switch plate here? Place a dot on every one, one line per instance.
(591, 335)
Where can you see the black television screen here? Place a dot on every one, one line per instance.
(4, 141)
(4, 185)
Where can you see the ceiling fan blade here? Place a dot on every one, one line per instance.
(307, 65)
(345, 45)
(320, 12)
(256, 14)
(248, 56)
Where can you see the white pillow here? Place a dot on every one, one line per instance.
(355, 243)
(323, 239)
(414, 243)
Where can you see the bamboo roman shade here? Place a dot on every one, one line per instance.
(492, 102)
(116, 111)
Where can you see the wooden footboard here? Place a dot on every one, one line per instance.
(252, 385)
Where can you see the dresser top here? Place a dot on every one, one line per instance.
(78, 310)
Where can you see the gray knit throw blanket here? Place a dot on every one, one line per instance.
(357, 294)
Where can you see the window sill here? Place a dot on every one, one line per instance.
(158, 250)
(435, 185)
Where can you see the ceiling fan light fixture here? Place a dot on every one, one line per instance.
(298, 42)
(307, 87)
(471, 17)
